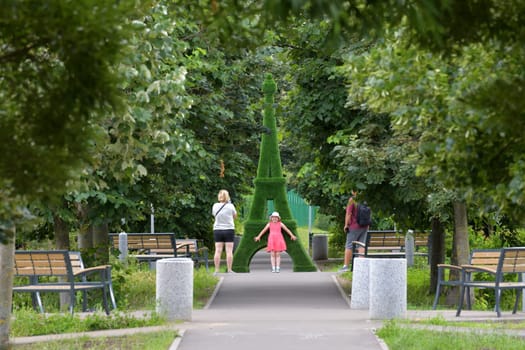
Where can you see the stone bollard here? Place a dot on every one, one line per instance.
(360, 284)
(388, 288)
(409, 247)
(320, 247)
(123, 247)
(175, 288)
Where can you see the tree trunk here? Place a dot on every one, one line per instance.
(437, 251)
(101, 243)
(7, 253)
(85, 233)
(62, 243)
(61, 233)
(460, 247)
(85, 238)
(461, 242)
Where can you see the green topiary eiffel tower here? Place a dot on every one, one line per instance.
(270, 185)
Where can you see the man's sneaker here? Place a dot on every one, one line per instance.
(344, 269)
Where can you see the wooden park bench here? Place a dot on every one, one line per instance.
(380, 244)
(151, 247)
(485, 258)
(506, 275)
(389, 244)
(53, 271)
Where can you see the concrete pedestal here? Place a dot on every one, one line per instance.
(320, 247)
(123, 247)
(409, 247)
(174, 294)
(360, 284)
(388, 288)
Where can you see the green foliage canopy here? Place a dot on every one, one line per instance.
(57, 82)
(57, 79)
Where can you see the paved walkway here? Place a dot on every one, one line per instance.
(287, 310)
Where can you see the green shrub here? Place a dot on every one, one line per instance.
(337, 238)
(323, 222)
(135, 287)
(418, 284)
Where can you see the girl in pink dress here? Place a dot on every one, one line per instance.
(276, 243)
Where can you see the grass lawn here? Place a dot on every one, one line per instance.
(151, 341)
(402, 337)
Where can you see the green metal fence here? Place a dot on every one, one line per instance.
(301, 211)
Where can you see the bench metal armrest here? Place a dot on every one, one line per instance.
(102, 269)
(471, 269)
(449, 267)
(357, 243)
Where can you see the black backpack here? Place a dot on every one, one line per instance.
(364, 215)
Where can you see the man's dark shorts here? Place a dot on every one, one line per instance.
(358, 234)
(225, 236)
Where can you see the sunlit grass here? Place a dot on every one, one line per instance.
(30, 323)
(151, 341)
(441, 321)
(399, 337)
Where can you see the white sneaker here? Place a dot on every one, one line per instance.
(277, 269)
(344, 269)
(274, 269)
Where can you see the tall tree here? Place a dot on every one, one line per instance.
(56, 82)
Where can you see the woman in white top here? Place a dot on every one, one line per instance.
(223, 229)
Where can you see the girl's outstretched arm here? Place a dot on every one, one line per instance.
(292, 237)
(258, 237)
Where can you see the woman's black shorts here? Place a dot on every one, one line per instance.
(225, 236)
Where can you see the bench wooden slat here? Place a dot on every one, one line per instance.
(386, 255)
(155, 246)
(58, 263)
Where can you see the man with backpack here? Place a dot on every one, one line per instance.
(357, 222)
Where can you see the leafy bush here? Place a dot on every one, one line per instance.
(323, 222)
(418, 284)
(134, 286)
